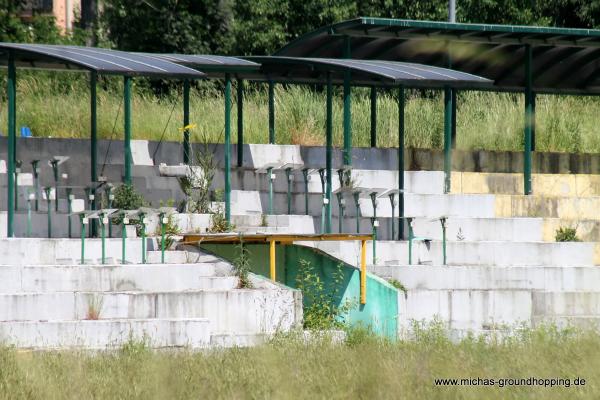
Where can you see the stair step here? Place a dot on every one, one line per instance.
(108, 333)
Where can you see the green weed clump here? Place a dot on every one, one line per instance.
(566, 234)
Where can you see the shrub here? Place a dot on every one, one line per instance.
(242, 267)
(321, 302)
(567, 234)
(127, 198)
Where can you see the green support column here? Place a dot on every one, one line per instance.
(186, 121)
(240, 122)
(533, 100)
(347, 121)
(328, 152)
(93, 141)
(12, 138)
(453, 93)
(347, 107)
(127, 118)
(228, 148)
(529, 118)
(373, 116)
(447, 138)
(271, 112)
(93, 128)
(401, 100)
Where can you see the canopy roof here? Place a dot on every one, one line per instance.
(102, 61)
(213, 66)
(564, 60)
(364, 72)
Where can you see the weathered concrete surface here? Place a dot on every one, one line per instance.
(105, 334)
(469, 253)
(30, 251)
(579, 185)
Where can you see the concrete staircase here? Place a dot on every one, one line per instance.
(168, 305)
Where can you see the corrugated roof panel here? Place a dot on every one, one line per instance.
(103, 61)
(365, 72)
(564, 60)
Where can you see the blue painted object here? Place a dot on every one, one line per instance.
(26, 131)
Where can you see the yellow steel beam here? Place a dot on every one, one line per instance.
(272, 259)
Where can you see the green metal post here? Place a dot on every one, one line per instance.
(305, 176)
(443, 222)
(111, 197)
(271, 112)
(240, 122)
(143, 223)
(323, 197)
(347, 121)
(401, 101)
(270, 177)
(410, 239)
(373, 116)
(289, 177)
(36, 182)
(329, 151)
(93, 128)
(533, 100)
(393, 203)
(69, 209)
(529, 117)
(447, 138)
(48, 190)
(123, 237)
(341, 206)
(356, 195)
(186, 121)
(17, 172)
(12, 138)
(82, 220)
(127, 118)
(375, 223)
(103, 236)
(228, 148)
(347, 107)
(453, 94)
(28, 217)
(54, 164)
(162, 238)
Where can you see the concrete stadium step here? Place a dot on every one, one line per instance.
(572, 208)
(486, 277)
(466, 309)
(424, 182)
(233, 311)
(575, 185)
(34, 251)
(469, 253)
(171, 256)
(108, 278)
(106, 334)
(567, 304)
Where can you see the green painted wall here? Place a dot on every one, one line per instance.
(381, 310)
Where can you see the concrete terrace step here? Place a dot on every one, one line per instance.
(171, 256)
(569, 304)
(469, 253)
(485, 277)
(575, 185)
(242, 310)
(141, 278)
(106, 334)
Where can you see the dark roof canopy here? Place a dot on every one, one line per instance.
(364, 72)
(564, 60)
(213, 66)
(102, 61)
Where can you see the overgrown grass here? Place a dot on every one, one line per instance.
(289, 368)
(58, 106)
